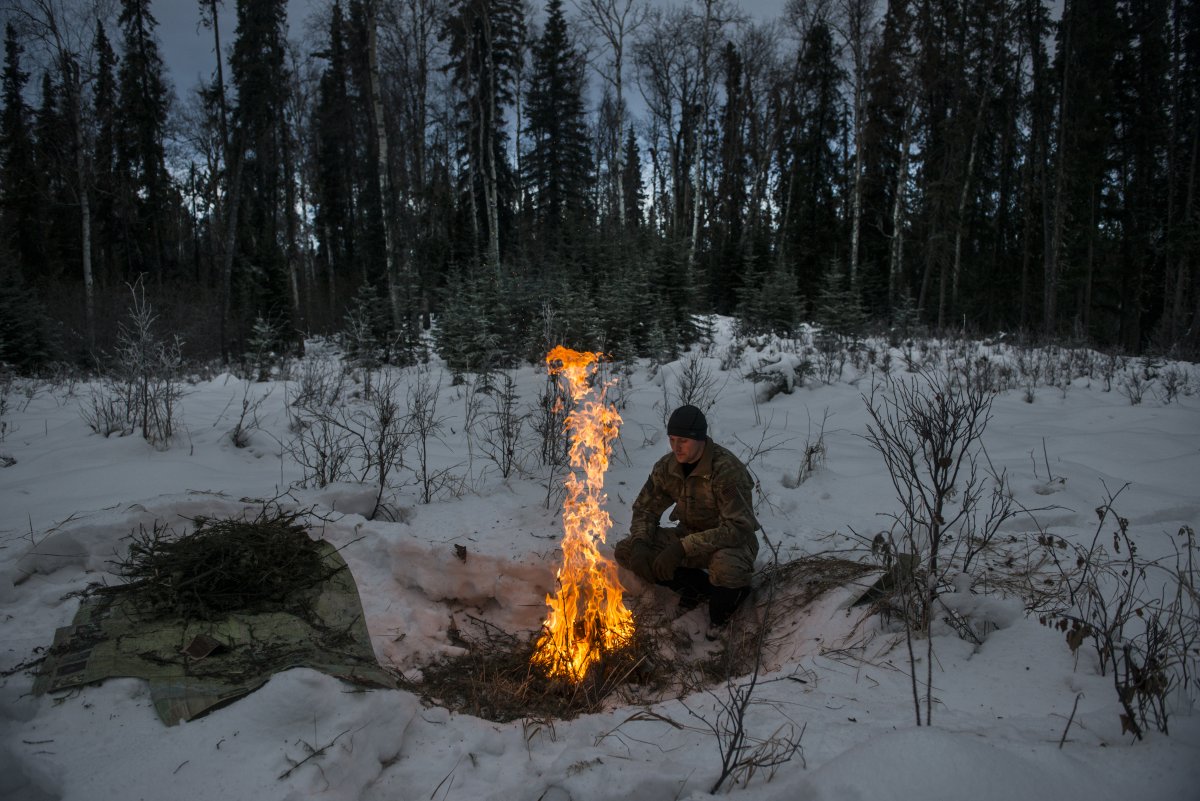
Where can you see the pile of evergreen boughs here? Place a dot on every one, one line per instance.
(223, 566)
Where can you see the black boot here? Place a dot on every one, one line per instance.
(692, 585)
(722, 603)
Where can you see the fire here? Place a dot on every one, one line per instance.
(587, 616)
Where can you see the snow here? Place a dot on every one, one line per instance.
(837, 681)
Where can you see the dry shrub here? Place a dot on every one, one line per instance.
(782, 591)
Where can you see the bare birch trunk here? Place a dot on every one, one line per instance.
(856, 13)
(896, 249)
(235, 194)
(619, 148)
(491, 179)
(330, 275)
(85, 208)
(1050, 288)
(381, 141)
(292, 225)
(956, 271)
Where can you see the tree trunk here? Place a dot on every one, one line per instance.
(74, 99)
(291, 249)
(964, 195)
(234, 191)
(1174, 301)
(490, 178)
(1054, 234)
(857, 12)
(896, 246)
(233, 178)
(383, 167)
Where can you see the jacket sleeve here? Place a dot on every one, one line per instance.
(651, 502)
(733, 494)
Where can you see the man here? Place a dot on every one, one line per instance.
(710, 553)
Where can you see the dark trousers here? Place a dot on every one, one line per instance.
(691, 583)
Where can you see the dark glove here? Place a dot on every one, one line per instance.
(668, 560)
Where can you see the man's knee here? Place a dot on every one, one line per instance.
(731, 567)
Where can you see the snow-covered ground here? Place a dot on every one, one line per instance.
(1001, 707)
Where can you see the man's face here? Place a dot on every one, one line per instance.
(687, 450)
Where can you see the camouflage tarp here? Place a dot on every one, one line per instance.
(196, 666)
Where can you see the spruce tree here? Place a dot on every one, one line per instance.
(20, 201)
(28, 338)
(1035, 172)
(106, 229)
(336, 162)
(725, 250)
(839, 310)
(558, 164)
(1140, 147)
(141, 160)
(770, 302)
(1088, 40)
(366, 329)
(1180, 325)
(809, 170)
(260, 76)
(482, 38)
(58, 227)
(632, 183)
(886, 133)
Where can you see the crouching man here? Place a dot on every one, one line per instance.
(709, 555)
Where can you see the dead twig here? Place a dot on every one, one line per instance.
(313, 754)
(1070, 720)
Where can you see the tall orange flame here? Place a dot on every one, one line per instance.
(587, 616)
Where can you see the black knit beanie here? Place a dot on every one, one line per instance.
(688, 421)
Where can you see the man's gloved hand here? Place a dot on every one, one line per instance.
(668, 560)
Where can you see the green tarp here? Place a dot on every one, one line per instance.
(196, 666)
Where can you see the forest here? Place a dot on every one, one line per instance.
(484, 178)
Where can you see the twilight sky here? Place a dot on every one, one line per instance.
(187, 48)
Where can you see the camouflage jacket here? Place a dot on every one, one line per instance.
(714, 505)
